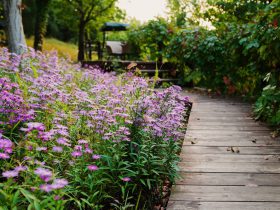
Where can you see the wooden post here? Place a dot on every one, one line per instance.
(103, 44)
(89, 48)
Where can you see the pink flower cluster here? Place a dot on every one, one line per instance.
(13, 107)
(64, 112)
(6, 147)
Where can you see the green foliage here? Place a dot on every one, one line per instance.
(65, 18)
(235, 56)
(201, 50)
(152, 38)
(267, 107)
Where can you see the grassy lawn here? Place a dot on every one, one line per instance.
(64, 49)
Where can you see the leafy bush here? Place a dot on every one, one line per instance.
(267, 107)
(198, 50)
(73, 138)
(235, 56)
(151, 39)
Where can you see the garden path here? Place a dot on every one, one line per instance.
(228, 161)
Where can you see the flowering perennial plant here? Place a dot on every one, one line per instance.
(73, 138)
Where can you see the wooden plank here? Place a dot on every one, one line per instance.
(225, 193)
(212, 118)
(226, 150)
(219, 133)
(228, 128)
(199, 136)
(191, 205)
(217, 108)
(224, 115)
(218, 103)
(230, 179)
(211, 112)
(221, 104)
(233, 167)
(228, 132)
(227, 158)
(198, 98)
(225, 124)
(202, 136)
(228, 142)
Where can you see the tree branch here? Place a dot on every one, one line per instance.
(89, 15)
(77, 4)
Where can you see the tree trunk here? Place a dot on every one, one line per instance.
(41, 21)
(14, 28)
(81, 53)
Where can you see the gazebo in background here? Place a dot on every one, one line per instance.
(114, 53)
(113, 48)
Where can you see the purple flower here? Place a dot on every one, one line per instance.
(27, 158)
(93, 168)
(57, 197)
(34, 126)
(46, 187)
(46, 136)
(82, 141)
(63, 141)
(6, 146)
(45, 174)
(78, 147)
(57, 149)
(126, 179)
(4, 156)
(9, 174)
(88, 150)
(59, 183)
(76, 154)
(96, 157)
(41, 148)
(20, 168)
(29, 147)
(62, 132)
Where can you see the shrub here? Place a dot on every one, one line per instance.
(151, 39)
(267, 107)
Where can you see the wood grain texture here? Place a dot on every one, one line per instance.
(261, 150)
(196, 205)
(226, 193)
(228, 161)
(229, 158)
(233, 167)
(228, 179)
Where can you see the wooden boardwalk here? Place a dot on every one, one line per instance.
(228, 161)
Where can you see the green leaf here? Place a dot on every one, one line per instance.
(37, 205)
(28, 195)
(15, 198)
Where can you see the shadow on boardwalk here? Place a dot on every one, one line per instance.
(228, 161)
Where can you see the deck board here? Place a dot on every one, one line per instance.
(215, 177)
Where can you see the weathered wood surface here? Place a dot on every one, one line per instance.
(228, 161)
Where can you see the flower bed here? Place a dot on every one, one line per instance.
(73, 138)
